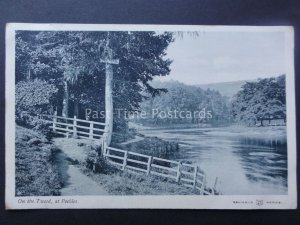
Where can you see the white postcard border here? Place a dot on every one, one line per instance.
(288, 201)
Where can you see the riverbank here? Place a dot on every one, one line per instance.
(138, 126)
(153, 146)
(268, 135)
(253, 158)
(274, 135)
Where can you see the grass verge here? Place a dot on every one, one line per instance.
(36, 171)
(117, 182)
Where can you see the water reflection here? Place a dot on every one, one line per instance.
(245, 162)
(264, 162)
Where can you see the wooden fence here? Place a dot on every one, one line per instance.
(187, 174)
(75, 127)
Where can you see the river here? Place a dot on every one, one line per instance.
(247, 161)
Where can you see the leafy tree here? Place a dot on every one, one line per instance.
(71, 61)
(34, 97)
(191, 100)
(259, 101)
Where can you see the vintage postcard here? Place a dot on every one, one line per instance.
(150, 116)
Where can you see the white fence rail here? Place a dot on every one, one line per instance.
(75, 127)
(187, 174)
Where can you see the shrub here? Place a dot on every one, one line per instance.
(23, 118)
(43, 127)
(154, 146)
(91, 159)
(99, 164)
(32, 97)
(34, 141)
(102, 166)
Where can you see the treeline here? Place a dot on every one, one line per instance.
(259, 101)
(185, 104)
(62, 70)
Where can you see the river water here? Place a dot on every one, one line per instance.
(246, 160)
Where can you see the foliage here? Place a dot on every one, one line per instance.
(42, 126)
(91, 159)
(74, 57)
(33, 97)
(261, 100)
(35, 57)
(99, 164)
(195, 103)
(155, 147)
(36, 172)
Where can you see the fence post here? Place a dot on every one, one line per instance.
(215, 186)
(67, 133)
(195, 175)
(103, 149)
(75, 127)
(203, 185)
(149, 165)
(54, 122)
(91, 130)
(178, 172)
(125, 160)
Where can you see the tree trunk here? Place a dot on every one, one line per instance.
(76, 108)
(108, 105)
(29, 75)
(65, 111)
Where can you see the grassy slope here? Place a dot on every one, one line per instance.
(36, 173)
(126, 183)
(118, 182)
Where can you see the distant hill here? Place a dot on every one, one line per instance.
(228, 89)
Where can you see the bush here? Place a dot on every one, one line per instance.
(23, 118)
(154, 146)
(104, 167)
(34, 141)
(43, 127)
(36, 124)
(99, 164)
(91, 159)
(33, 97)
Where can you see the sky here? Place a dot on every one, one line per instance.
(214, 57)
